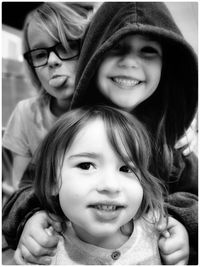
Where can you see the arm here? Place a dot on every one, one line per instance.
(19, 166)
(174, 243)
(17, 211)
(20, 206)
(38, 241)
(184, 176)
(184, 207)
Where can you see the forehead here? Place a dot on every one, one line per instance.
(93, 131)
(139, 38)
(93, 137)
(37, 36)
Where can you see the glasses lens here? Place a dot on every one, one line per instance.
(39, 57)
(70, 52)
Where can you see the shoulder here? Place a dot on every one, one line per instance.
(33, 107)
(26, 104)
(147, 224)
(184, 176)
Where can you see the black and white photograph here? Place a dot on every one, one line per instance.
(99, 133)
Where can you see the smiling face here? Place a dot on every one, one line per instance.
(98, 192)
(57, 76)
(130, 71)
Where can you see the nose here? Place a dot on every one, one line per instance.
(129, 60)
(109, 183)
(54, 60)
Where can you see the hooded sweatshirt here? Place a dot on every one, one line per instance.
(179, 84)
(176, 97)
(112, 22)
(115, 20)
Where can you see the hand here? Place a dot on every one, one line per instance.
(189, 141)
(38, 241)
(174, 246)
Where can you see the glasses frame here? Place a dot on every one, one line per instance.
(28, 57)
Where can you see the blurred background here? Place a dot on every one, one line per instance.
(15, 83)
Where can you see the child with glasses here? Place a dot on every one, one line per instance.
(51, 39)
(100, 186)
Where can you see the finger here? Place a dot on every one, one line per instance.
(175, 258)
(194, 124)
(167, 245)
(18, 257)
(30, 258)
(55, 223)
(162, 225)
(46, 238)
(187, 151)
(165, 234)
(183, 262)
(171, 223)
(186, 139)
(36, 249)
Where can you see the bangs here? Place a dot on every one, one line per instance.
(128, 139)
(61, 22)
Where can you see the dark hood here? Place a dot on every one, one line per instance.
(115, 20)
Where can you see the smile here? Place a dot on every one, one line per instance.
(106, 212)
(106, 207)
(125, 82)
(109, 207)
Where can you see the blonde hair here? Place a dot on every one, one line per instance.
(61, 21)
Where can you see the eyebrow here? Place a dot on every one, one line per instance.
(85, 155)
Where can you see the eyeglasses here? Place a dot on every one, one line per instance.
(39, 57)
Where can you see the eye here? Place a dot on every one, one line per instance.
(74, 44)
(119, 49)
(150, 51)
(85, 165)
(125, 169)
(39, 55)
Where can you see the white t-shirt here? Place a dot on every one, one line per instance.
(30, 121)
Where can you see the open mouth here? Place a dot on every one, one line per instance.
(125, 82)
(107, 208)
(58, 81)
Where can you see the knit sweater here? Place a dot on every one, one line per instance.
(140, 249)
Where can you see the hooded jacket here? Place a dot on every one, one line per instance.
(113, 21)
(179, 84)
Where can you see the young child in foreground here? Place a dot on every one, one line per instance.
(93, 172)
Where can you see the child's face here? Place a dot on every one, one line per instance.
(57, 76)
(131, 71)
(98, 192)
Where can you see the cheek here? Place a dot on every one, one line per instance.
(70, 68)
(156, 72)
(153, 75)
(42, 76)
(136, 196)
(68, 198)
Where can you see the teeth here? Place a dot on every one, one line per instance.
(106, 207)
(126, 82)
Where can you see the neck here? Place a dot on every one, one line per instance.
(59, 107)
(113, 241)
